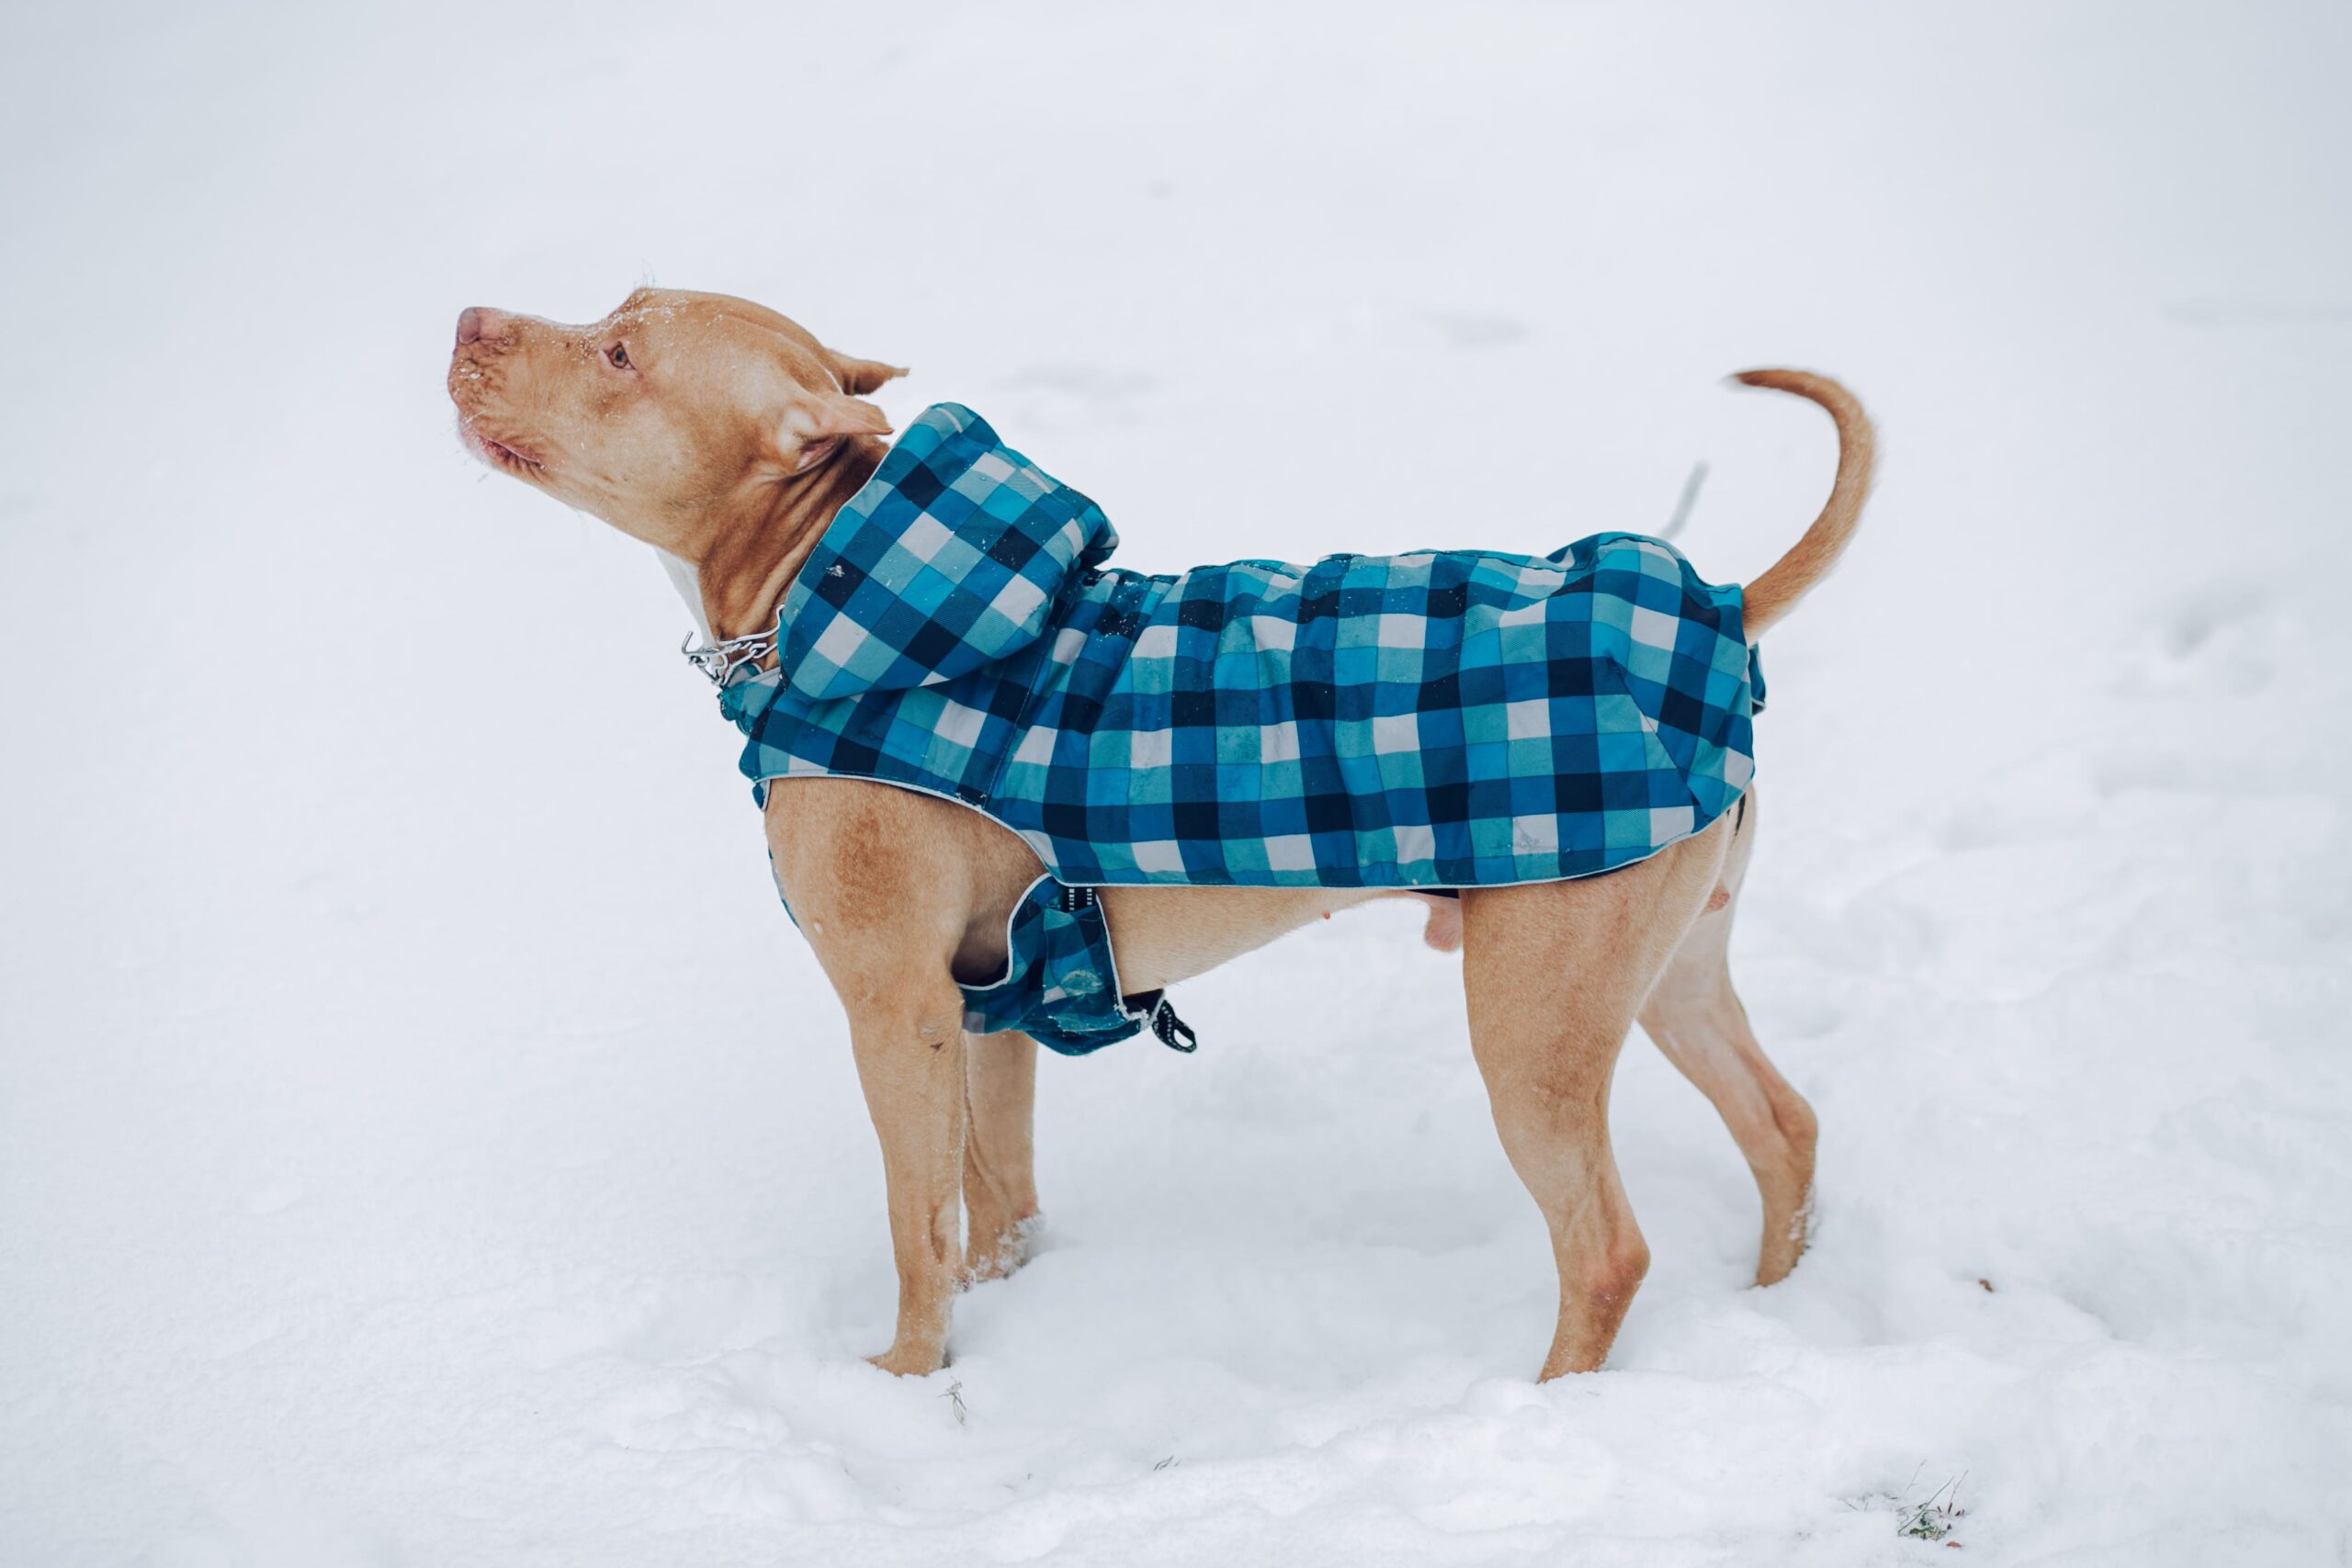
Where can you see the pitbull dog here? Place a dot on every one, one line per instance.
(727, 438)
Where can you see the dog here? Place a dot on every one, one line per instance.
(728, 437)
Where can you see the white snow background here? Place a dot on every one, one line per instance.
(424, 1141)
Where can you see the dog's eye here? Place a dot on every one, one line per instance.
(618, 355)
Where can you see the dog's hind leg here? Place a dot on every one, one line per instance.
(1695, 1018)
(1000, 1171)
(1554, 973)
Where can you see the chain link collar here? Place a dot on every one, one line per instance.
(724, 657)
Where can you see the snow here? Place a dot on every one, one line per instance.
(424, 1141)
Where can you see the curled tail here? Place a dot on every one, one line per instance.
(1788, 580)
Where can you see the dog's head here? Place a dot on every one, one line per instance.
(668, 410)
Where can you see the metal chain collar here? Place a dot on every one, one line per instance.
(722, 659)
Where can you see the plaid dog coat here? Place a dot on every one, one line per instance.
(1443, 720)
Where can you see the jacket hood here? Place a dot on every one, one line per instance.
(950, 557)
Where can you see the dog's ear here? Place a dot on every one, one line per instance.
(811, 420)
(859, 377)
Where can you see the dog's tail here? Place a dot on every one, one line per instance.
(1788, 580)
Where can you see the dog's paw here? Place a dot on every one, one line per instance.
(902, 1361)
(1782, 1250)
(994, 1257)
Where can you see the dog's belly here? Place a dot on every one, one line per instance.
(1166, 934)
(852, 855)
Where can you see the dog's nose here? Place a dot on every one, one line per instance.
(476, 322)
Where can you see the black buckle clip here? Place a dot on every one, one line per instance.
(1168, 1026)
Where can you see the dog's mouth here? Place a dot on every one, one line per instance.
(500, 453)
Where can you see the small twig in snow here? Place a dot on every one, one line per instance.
(1934, 1519)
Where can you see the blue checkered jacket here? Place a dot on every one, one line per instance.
(1447, 718)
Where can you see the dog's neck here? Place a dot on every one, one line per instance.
(688, 582)
(751, 549)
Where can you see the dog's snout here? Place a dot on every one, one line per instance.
(476, 322)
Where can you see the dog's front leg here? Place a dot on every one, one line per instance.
(910, 1044)
(1000, 1172)
(894, 891)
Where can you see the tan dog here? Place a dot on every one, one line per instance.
(727, 436)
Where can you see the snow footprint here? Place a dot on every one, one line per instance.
(2215, 640)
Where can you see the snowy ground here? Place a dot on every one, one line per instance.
(424, 1142)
